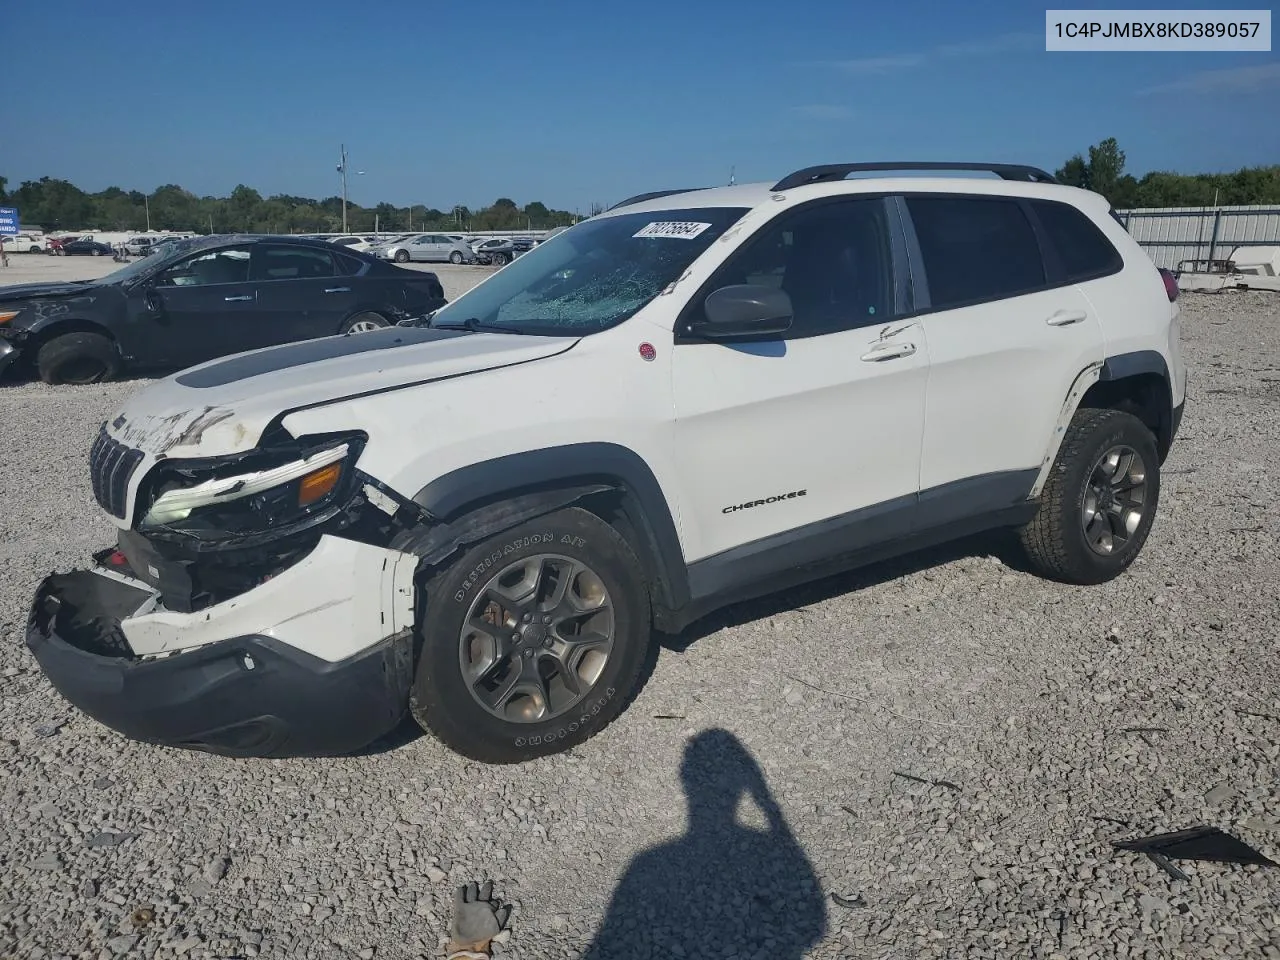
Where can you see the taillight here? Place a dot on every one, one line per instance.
(1170, 284)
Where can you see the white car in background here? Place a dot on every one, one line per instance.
(362, 244)
(25, 243)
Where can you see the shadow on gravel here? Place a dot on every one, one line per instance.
(724, 889)
(1001, 544)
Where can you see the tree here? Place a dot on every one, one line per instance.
(1074, 173)
(3, 195)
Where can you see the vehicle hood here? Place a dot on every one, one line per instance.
(44, 291)
(223, 406)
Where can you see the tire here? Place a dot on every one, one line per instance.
(78, 358)
(96, 252)
(1061, 541)
(499, 259)
(364, 322)
(442, 698)
(402, 256)
(33, 249)
(455, 257)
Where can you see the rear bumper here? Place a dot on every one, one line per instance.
(246, 696)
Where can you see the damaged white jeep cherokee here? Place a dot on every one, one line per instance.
(693, 398)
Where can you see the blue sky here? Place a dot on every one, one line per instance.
(572, 102)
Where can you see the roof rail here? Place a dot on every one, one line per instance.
(642, 197)
(838, 171)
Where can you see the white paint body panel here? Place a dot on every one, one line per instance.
(340, 599)
(998, 373)
(717, 425)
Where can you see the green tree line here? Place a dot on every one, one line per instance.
(60, 205)
(1103, 172)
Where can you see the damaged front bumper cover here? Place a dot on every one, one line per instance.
(317, 661)
(8, 354)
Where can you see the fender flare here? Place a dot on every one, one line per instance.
(482, 499)
(1085, 379)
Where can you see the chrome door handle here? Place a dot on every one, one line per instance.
(890, 352)
(337, 290)
(237, 299)
(1065, 317)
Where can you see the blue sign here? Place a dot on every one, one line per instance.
(8, 220)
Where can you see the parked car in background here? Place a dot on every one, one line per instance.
(356, 243)
(205, 298)
(26, 243)
(549, 234)
(87, 248)
(495, 250)
(139, 246)
(427, 247)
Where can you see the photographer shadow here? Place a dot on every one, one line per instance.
(724, 889)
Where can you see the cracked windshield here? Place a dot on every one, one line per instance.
(593, 276)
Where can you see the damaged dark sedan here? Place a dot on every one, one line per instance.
(201, 299)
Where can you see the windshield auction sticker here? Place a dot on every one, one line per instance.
(681, 229)
(1188, 31)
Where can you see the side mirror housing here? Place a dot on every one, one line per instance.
(743, 310)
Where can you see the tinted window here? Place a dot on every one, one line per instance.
(228, 265)
(347, 266)
(833, 260)
(292, 263)
(1081, 246)
(975, 249)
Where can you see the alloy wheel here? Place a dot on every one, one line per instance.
(536, 638)
(1114, 500)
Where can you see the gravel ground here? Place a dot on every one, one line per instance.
(1009, 703)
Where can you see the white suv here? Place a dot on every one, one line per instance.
(695, 397)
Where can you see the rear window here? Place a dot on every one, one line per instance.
(975, 249)
(1083, 250)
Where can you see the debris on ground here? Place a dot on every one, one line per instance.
(1197, 843)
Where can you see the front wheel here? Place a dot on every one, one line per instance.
(364, 323)
(1099, 502)
(96, 253)
(402, 256)
(533, 641)
(455, 257)
(78, 358)
(33, 249)
(499, 259)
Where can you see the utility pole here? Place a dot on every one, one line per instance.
(342, 169)
(732, 178)
(147, 201)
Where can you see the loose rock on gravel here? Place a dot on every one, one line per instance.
(1007, 699)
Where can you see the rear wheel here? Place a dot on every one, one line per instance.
(455, 257)
(533, 641)
(402, 256)
(1099, 502)
(33, 249)
(364, 322)
(499, 259)
(96, 252)
(78, 358)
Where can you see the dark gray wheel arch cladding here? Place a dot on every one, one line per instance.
(540, 480)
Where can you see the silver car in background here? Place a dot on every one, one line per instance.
(426, 247)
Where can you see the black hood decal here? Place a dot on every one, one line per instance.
(35, 291)
(260, 362)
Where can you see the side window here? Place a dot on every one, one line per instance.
(347, 266)
(833, 260)
(975, 249)
(292, 263)
(1082, 248)
(227, 265)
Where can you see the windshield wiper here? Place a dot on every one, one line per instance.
(474, 324)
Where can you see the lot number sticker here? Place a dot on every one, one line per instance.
(681, 229)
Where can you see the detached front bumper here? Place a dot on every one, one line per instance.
(247, 693)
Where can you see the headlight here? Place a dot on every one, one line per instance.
(290, 491)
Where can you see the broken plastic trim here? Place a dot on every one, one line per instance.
(1197, 843)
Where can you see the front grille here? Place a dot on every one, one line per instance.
(111, 464)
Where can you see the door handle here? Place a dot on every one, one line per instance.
(237, 299)
(890, 351)
(1066, 317)
(337, 290)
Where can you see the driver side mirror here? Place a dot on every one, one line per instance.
(744, 310)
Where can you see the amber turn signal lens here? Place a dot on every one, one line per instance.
(318, 484)
(7, 315)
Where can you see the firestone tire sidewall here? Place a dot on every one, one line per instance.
(441, 701)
